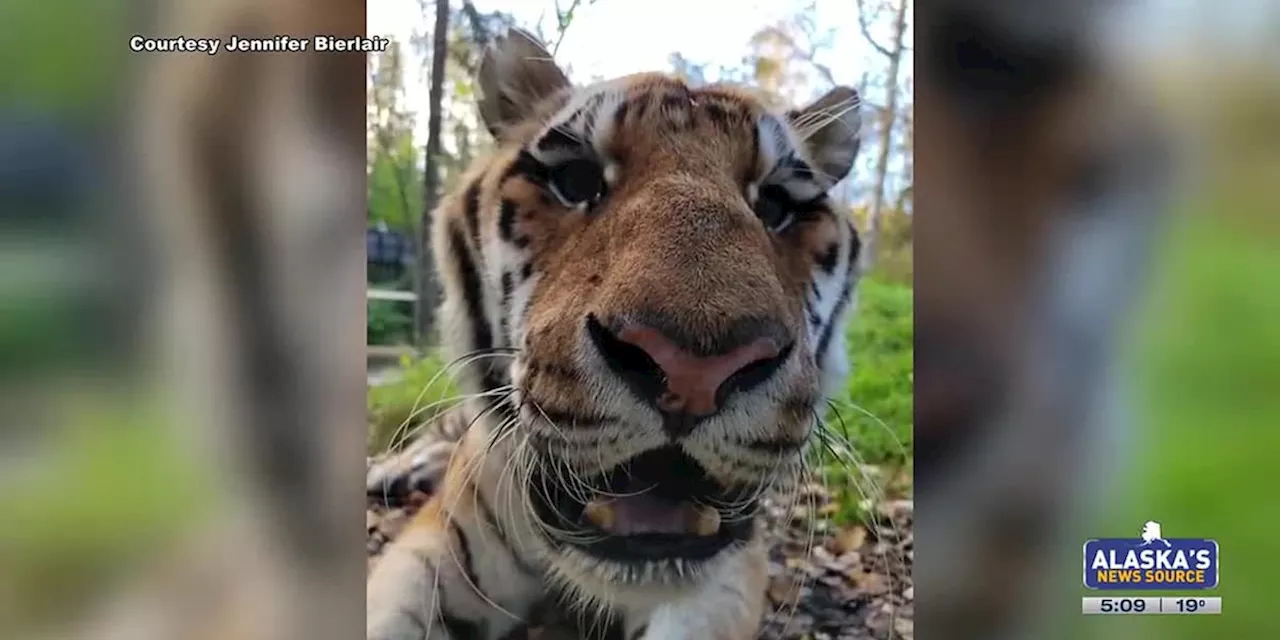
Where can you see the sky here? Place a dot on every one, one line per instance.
(617, 37)
(610, 38)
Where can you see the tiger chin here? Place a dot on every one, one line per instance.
(645, 289)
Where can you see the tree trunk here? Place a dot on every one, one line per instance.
(425, 284)
(905, 194)
(888, 120)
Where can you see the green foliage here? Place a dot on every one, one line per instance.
(1206, 359)
(894, 260)
(875, 412)
(395, 186)
(90, 497)
(83, 51)
(388, 323)
(394, 177)
(421, 393)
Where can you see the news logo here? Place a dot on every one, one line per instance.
(1150, 562)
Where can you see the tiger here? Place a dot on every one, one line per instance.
(645, 286)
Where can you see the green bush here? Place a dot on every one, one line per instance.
(874, 414)
(423, 390)
(387, 323)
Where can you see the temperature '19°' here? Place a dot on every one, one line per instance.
(1147, 605)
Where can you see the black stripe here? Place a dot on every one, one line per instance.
(468, 563)
(817, 294)
(507, 287)
(472, 294)
(528, 167)
(827, 261)
(841, 303)
(520, 632)
(505, 308)
(526, 271)
(798, 168)
(800, 405)
(507, 219)
(589, 118)
(620, 115)
(641, 106)
(572, 419)
(674, 104)
(557, 138)
(755, 143)
(487, 513)
(776, 446)
(638, 633)
(678, 113)
(471, 211)
(718, 115)
(537, 368)
(461, 628)
(855, 243)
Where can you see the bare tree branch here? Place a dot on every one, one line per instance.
(563, 19)
(477, 22)
(864, 25)
(426, 285)
(888, 118)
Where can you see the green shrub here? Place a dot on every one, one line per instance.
(875, 412)
(387, 323)
(422, 391)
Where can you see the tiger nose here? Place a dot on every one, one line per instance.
(679, 381)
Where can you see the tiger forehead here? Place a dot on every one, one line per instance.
(657, 101)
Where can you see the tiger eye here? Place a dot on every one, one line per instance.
(577, 181)
(773, 208)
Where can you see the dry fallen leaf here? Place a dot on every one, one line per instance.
(872, 583)
(848, 539)
(904, 627)
(896, 509)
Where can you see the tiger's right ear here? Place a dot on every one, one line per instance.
(517, 73)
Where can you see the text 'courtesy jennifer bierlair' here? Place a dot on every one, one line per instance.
(274, 44)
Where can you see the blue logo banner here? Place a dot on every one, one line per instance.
(1150, 563)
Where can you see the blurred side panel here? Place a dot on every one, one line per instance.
(181, 447)
(1045, 182)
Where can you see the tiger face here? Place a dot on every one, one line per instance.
(670, 280)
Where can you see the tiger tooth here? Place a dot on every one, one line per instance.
(600, 514)
(707, 522)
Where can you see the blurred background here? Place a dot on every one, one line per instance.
(1165, 352)
(1204, 348)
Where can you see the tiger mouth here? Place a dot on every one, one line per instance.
(658, 506)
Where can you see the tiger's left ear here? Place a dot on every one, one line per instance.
(830, 129)
(516, 73)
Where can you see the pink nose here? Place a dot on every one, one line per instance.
(693, 383)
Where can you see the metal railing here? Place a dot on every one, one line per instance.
(388, 294)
